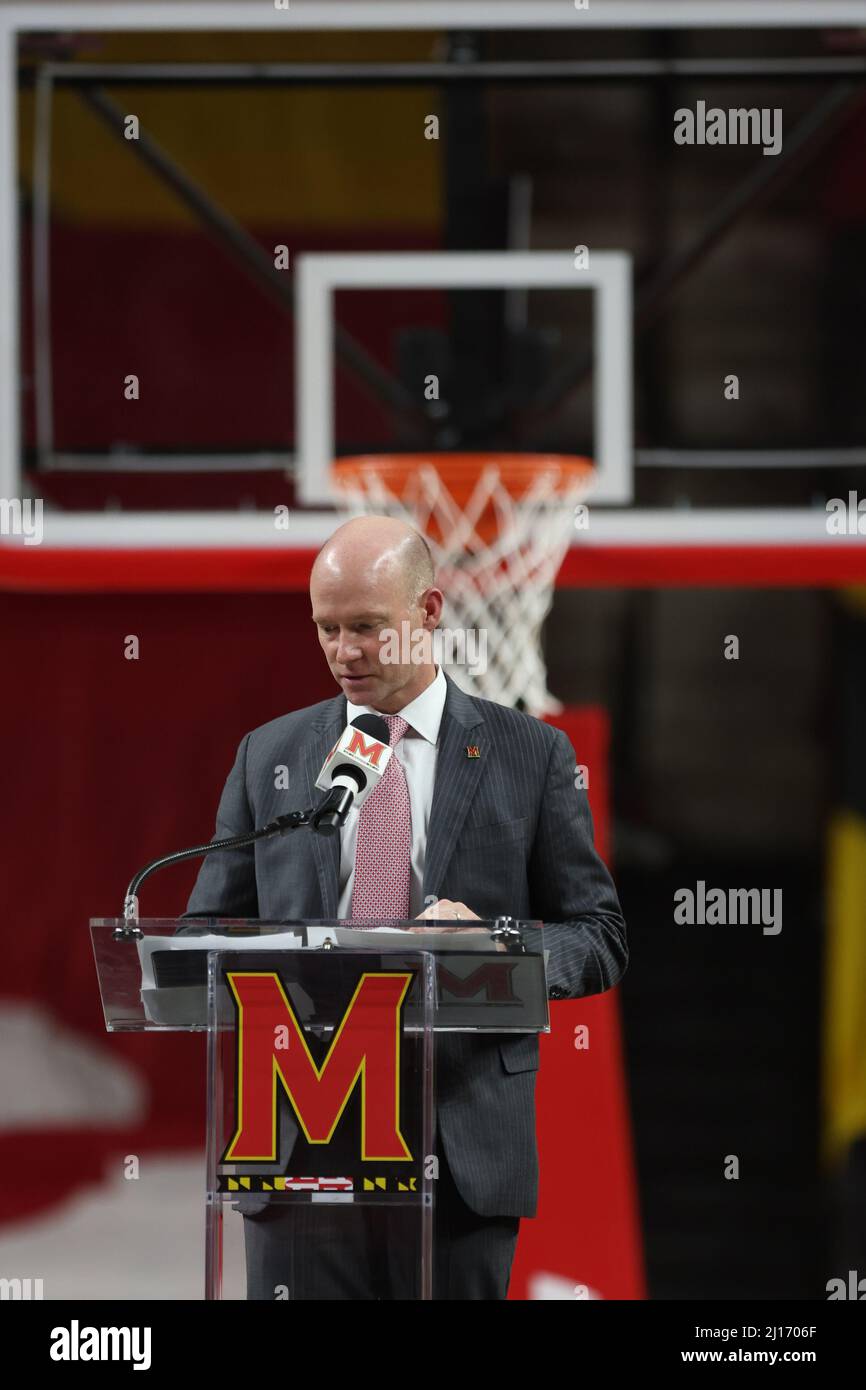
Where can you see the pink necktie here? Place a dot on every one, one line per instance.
(383, 853)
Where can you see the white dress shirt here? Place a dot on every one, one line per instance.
(417, 751)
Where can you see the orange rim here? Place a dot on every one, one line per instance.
(460, 474)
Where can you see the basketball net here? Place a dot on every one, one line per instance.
(498, 535)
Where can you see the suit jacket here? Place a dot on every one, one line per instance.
(509, 834)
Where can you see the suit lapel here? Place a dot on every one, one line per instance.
(457, 780)
(326, 729)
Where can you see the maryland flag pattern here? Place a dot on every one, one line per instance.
(255, 1182)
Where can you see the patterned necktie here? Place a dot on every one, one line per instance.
(383, 854)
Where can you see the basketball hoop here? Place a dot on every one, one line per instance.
(499, 526)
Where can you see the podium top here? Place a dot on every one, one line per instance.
(256, 926)
(153, 974)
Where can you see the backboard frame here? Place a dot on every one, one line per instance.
(319, 276)
(159, 531)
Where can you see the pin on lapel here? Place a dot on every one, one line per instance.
(472, 750)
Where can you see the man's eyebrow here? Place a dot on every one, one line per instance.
(359, 618)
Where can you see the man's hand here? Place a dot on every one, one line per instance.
(446, 910)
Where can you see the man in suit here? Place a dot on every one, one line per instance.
(443, 834)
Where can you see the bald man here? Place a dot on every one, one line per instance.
(506, 833)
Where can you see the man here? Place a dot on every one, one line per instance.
(443, 834)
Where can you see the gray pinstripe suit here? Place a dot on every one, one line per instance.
(509, 834)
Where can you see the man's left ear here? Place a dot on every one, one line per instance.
(437, 605)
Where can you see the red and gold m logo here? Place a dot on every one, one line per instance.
(371, 752)
(365, 1048)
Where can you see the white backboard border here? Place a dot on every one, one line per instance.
(318, 277)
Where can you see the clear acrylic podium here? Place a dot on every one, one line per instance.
(321, 1103)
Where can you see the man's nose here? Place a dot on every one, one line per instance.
(347, 649)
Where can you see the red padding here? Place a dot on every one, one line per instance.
(37, 569)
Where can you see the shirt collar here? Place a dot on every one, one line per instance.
(423, 714)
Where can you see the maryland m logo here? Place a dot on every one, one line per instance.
(493, 980)
(271, 1048)
(370, 752)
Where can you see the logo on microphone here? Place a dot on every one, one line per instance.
(358, 761)
(369, 753)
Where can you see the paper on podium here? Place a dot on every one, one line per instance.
(429, 940)
(386, 937)
(211, 942)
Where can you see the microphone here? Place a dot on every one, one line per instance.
(352, 770)
(292, 820)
